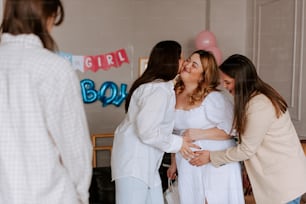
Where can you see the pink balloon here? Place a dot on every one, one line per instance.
(217, 54)
(205, 39)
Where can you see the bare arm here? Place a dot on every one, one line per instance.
(171, 172)
(210, 134)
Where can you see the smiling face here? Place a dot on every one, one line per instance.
(228, 82)
(192, 69)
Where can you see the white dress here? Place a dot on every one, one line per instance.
(221, 185)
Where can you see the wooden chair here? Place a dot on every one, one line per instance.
(96, 147)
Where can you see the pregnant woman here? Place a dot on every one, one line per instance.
(205, 114)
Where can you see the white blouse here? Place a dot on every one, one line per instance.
(45, 148)
(145, 133)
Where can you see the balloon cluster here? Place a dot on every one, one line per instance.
(206, 40)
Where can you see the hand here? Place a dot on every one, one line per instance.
(201, 158)
(171, 172)
(185, 150)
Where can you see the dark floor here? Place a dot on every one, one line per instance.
(102, 189)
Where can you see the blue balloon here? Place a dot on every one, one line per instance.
(113, 92)
(120, 98)
(89, 94)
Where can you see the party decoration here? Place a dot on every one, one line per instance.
(217, 54)
(77, 62)
(112, 87)
(94, 63)
(107, 94)
(89, 93)
(205, 39)
(122, 95)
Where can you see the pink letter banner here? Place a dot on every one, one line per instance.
(94, 63)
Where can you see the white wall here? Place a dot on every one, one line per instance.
(100, 26)
(228, 21)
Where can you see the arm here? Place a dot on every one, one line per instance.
(67, 126)
(171, 172)
(210, 134)
(260, 115)
(155, 120)
(153, 105)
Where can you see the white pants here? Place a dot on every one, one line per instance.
(130, 190)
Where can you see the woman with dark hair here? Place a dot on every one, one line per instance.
(33, 17)
(205, 115)
(146, 132)
(45, 148)
(268, 142)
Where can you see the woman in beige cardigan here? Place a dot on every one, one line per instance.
(268, 142)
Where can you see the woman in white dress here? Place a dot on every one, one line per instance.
(205, 114)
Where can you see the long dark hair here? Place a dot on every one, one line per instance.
(210, 78)
(163, 64)
(247, 85)
(31, 16)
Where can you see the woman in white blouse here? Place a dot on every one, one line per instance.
(45, 148)
(204, 114)
(146, 132)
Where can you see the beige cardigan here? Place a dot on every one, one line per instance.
(272, 153)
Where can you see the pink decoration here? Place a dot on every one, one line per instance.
(111, 60)
(205, 39)
(94, 63)
(121, 56)
(217, 53)
(90, 64)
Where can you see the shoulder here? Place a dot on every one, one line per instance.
(53, 64)
(155, 92)
(217, 98)
(53, 59)
(157, 87)
(215, 95)
(260, 102)
(53, 70)
(260, 99)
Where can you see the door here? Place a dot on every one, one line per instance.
(278, 42)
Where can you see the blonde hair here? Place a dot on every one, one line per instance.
(209, 81)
